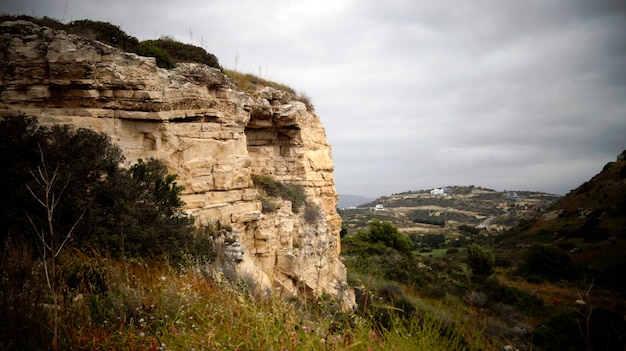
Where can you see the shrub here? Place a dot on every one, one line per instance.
(104, 32)
(432, 240)
(480, 260)
(119, 212)
(163, 58)
(312, 213)
(181, 52)
(386, 233)
(249, 82)
(273, 188)
(452, 251)
(503, 294)
(469, 229)
(306, 99)
(546, 262)
(344, 230)
(44, 21)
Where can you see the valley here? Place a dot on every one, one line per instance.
(421, 212)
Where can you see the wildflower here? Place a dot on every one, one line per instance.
(142, 334)
(162, 278)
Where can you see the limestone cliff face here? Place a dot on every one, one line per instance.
(212, 135)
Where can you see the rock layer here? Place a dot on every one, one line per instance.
(212, 135)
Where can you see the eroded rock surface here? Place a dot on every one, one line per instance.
(212, 135)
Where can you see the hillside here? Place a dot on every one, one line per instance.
(444, 210)
(552, 282)
(589, 223)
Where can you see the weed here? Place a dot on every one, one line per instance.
(249, 83)
(272, 188)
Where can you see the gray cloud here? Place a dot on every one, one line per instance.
(418, 94)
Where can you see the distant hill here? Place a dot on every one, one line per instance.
(589, 223)
(352, 200)
(466, 205)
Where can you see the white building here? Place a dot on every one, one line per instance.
(379, 207)
(437, 191)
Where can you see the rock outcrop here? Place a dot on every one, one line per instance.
(214, 136)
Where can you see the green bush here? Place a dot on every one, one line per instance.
(452, 251)
(541, 262)
(508, 295)
(163, 58)
(344, 230)
(469, 229)
(181, 52)
(480, 260)
(115, 211)
(273, 188)
(44, 21)
(387, 234)
(104, 32)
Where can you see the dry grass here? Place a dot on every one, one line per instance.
(249, 83)
(139, 305)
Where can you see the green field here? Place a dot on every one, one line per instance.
(437, 253)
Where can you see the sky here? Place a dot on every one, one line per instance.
(416, 94)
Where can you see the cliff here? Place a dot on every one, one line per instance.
(214, 136)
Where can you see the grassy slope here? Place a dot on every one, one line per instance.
(589, 222)
(150, 305)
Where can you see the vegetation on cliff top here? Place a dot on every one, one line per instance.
(166, 50)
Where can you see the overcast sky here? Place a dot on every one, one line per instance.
(516, 95)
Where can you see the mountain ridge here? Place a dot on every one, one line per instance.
(349, 200)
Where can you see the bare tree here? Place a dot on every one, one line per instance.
(51, 246)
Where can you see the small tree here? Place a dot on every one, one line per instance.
(480, 260)
(387, 234)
